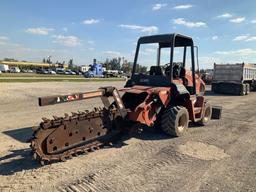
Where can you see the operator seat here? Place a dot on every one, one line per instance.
(176, 71)
(155, 70)
(183, 76)
(182, 72)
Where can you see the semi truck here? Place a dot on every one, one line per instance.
(97, 70)
(94, 71)
(236, 79)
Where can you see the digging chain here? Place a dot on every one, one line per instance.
(47, 127)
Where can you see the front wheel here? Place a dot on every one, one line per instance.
(207, 114)
(174, 120)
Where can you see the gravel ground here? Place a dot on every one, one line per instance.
(218, 157)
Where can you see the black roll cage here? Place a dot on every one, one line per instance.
(169, 41)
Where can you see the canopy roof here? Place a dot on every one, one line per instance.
(167, 40)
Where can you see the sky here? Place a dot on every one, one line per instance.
(224, 30)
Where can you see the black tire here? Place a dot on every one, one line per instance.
(215, 88)
(253, 85)
(174, 120)
(207, 114)
(243, 89)
(248, 88)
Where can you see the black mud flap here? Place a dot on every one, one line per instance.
(216, 112)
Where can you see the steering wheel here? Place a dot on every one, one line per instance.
(166, 68)
(176, 69)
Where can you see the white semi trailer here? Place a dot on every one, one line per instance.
(238, 79)
(4, 68)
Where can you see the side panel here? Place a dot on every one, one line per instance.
(236, 73)
(249, 72)
(228, 72)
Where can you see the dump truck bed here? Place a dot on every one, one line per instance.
(234, 72)
(234, 78)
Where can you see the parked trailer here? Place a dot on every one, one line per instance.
(110, 73)
(4, 68)
(237, 79)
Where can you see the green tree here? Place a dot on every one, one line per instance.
(127, 67)
(70, 64)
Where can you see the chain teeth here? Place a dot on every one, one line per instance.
(74, 113)
(39, 153)
(45, 119)
(66, 117)
(56, 117)
(63, 159)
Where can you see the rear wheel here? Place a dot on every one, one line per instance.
(207, 114)
(214, 88)
(248, 88)
(243, 89)
(174, 120)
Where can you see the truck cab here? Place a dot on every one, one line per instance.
(95, 70)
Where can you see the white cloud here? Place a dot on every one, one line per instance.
(65, 29)
(224, 15)
(246, 37)
(215, 37)
(207, 62)
(39, 30)
(253, 21)
(146, 29)
(237, 20)
(2, 42)
(240, 52)
(90, 21)
(90, 42)
(112, 53)
(182, 21)
(185, 6)
(252, 38)
(69, 41)
(3, 38)
(158, 6)
(241, 38)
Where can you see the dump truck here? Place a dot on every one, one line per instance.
(237, 79)
(167, 97)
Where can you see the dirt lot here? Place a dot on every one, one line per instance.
(218, 157)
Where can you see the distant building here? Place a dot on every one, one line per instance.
(26, 64)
